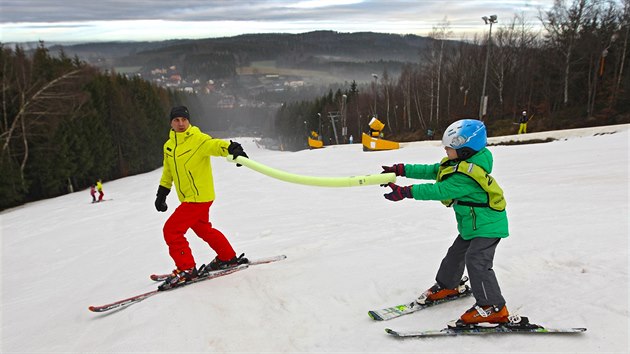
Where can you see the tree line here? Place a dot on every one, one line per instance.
(572, 74)
(65, 124)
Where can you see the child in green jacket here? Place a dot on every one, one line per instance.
(463, 182)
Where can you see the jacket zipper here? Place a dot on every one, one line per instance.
(474, 218)
(193, 182)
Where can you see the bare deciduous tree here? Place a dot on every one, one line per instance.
(38, 103)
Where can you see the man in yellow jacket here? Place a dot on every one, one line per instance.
(187, 165)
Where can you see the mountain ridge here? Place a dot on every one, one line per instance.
(288, 49)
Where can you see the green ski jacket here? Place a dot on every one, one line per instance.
(465, 195)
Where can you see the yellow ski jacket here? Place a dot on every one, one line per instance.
(187, 164)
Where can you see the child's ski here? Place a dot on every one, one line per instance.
(396, 311)
(522, 326)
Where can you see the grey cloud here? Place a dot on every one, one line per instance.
(71, 20)
(72, 10)
(222, 10)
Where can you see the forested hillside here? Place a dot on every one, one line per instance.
(65, 125)
(289, 50)
(574, 74)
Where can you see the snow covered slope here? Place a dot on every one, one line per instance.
(349, 250)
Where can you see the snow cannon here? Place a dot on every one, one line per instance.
(374, 141)
(376, 125)
(314, 141)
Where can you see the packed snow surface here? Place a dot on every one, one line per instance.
(349, 250)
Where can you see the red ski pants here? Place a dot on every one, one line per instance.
(193, 216)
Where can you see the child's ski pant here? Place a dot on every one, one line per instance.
(477, 256)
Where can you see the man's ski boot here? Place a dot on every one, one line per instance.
(217, 264)
(436, 292)
(484, 316)
(178, 277)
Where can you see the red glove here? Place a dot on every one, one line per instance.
(398, 192)
(398, 169)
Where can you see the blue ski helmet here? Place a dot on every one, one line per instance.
(466, 136)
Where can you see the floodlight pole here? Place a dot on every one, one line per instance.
(375, 82)
(484, 100)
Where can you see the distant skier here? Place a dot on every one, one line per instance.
(187, 165)
(93, 192)
(463, 182)
(522, 128)
(99, 188)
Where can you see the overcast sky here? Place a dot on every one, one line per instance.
(153, 20)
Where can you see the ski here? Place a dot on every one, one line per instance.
(102, 200)
(522, 326)
(162, 277)
(396, 311)
(215, 274)
(400, 310)
(138, 298)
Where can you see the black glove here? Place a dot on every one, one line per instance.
(398, 169)
(235, 149)
(160, 201)
(398, 192)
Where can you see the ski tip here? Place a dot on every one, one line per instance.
(93, 309)
(392, 332)
(373, 315)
